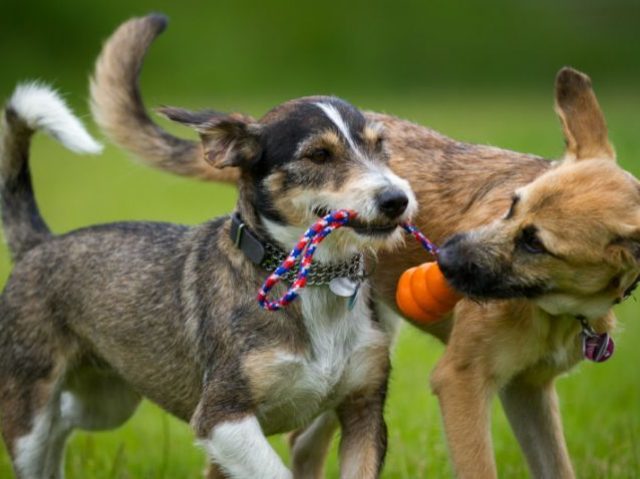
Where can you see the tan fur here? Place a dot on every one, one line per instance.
(262, 367)
(373, 133)
(327, 139)
(587, 213)
(357, 451)
(114, 89)
(585, 132)
(309, 447)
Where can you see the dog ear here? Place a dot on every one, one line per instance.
(585, 129)
(227, 139)
(625, 251)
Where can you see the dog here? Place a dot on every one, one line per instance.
(542, 250)
(93, 320)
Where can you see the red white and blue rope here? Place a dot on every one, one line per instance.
(306, 248)
(417, 234)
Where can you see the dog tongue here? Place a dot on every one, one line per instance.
(597, 348)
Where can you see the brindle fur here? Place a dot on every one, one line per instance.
(97, 318)
(584, 209)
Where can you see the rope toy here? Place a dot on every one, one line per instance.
(422, 239)
(306, 248)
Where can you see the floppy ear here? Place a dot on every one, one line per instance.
(585, 129)
(227, 139)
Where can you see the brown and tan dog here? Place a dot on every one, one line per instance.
(541, 243)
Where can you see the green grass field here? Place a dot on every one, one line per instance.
(600, 403)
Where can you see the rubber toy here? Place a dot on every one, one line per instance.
(424, 295)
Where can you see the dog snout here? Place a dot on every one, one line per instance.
(454, 259)
(392, 202)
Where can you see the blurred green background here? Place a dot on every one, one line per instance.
(477, 71)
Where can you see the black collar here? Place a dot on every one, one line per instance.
(269, 256)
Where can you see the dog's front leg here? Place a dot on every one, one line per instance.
(464, 392)
(363, 443)
(213, 471)
(240, 449)
(531, 405)
(309, 446)
(229, 431)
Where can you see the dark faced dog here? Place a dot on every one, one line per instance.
(543, 249)
(93, 320)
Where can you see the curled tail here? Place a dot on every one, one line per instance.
(117, 105)
(32, 107)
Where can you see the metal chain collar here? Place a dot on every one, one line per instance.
(318, 273)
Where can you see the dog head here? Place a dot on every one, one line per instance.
(570, 240)
(304, 158)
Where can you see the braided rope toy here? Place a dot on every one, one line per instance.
(306, 247)
(424, 241)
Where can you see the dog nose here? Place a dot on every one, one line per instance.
(392, 203)
(453, 258)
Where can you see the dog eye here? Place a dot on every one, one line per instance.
(629, 291)
(530, 242)
(615, 282)
(319, 155)
(379, 143)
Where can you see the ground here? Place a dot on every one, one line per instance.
(600, 402)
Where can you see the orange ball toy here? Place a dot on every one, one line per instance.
(424, 295)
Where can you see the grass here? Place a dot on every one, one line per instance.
(600, 403)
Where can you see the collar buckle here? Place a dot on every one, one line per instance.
(245, 241)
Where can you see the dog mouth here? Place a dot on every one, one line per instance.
(365, 228)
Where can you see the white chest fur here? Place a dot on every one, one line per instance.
(345, 352)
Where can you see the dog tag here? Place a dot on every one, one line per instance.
(344, 287)
(353, 298)
(597, 347)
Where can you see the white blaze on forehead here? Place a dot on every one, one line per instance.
(334, 115)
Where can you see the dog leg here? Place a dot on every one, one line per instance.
(39, 454)
(532, 409)
(96, 399)
(214, 472)
(363, 443)
(241, 450)
(464, 396)
(309, 447)
(32, 369)
(34, 432)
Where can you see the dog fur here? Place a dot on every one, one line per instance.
(97, 318)
(533, 243)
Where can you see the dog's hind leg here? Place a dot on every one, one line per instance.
(34, 358)
(531, 406)
(96, 399)
(38, 418)
(32, 427)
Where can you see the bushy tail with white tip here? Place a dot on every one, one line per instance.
(32, 107)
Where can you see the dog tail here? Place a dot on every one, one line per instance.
(117, 105)
(32, 107)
